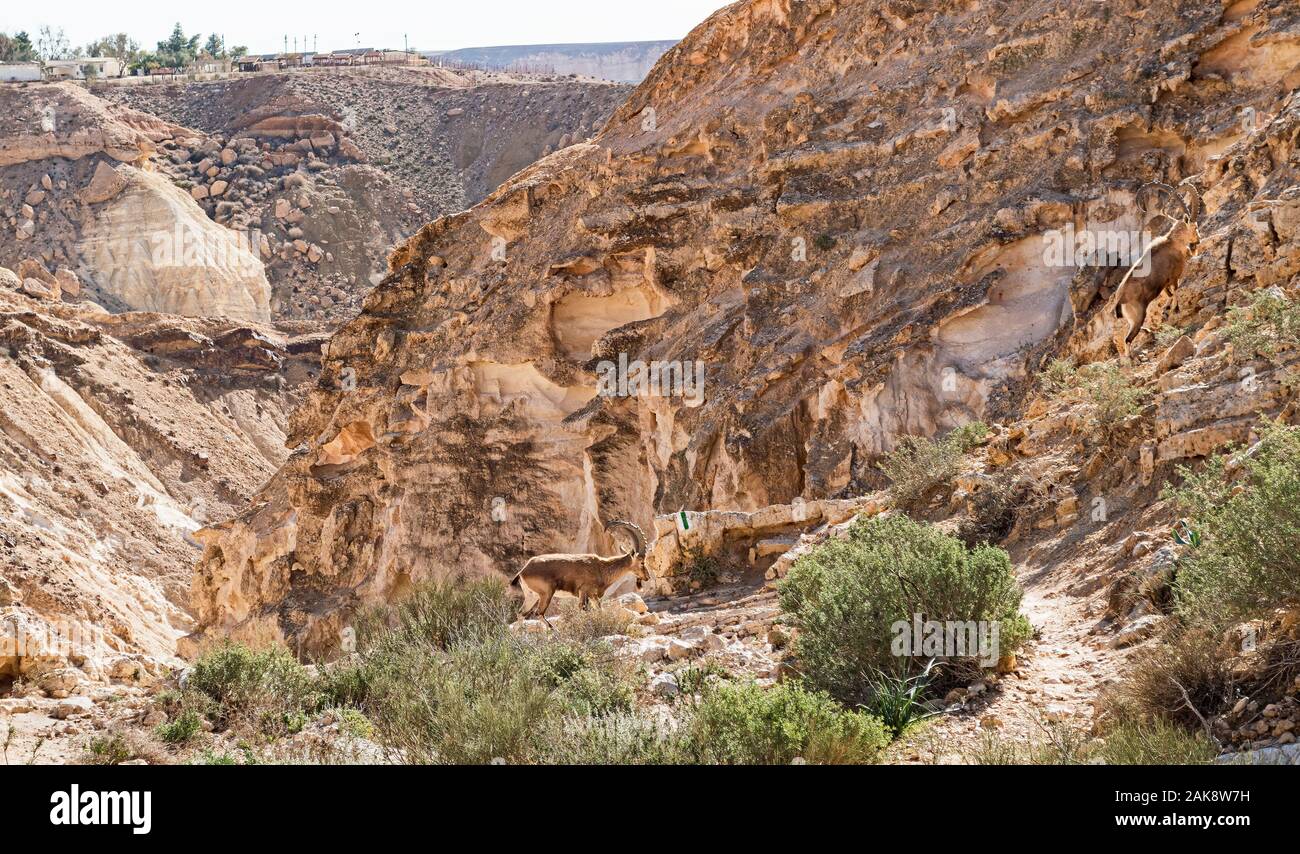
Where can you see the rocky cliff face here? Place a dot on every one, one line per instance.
(325, 171)
(120, 435)
(80, 190)
(839, 213)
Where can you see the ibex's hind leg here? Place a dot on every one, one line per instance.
(544, 602)
(1134, 314)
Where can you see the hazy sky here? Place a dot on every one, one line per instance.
(430, 25)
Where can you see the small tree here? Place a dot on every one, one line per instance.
(1245, 511)
(52, 44)
(178, 49)
(215, 47)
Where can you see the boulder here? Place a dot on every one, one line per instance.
(68, 282)
(73, 707)
(104, 185)
(36, 289)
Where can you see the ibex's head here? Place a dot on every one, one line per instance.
(636, 552)
(1177, 206)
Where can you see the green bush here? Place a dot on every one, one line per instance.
(846, 595)
(181, 728)
(1059, 377)
(267, 689)
(1245, 509)
(110, 749)
(918, 466)
(744, 724)
(447, 681)
(620, 739)
(1265, 325)
(440, 613)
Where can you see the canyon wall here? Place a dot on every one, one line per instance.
(838, 211)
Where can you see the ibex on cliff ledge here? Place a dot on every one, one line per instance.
(584, 576)
(1166, 256)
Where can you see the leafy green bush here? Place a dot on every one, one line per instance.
(355, 724)
(918, 466)
(846, 595)
(744, 724)
(1245, 509)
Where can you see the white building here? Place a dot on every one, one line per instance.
(13, 72)
(83, 67)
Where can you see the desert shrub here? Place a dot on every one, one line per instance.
(1166, 336)
(1245, 509)
(180, 729)
(439, 613)
(1058, 377)
(846, 595)
(1188, 680)
(354, 724)
(109, 749)
(1269, 322)
(598, 621)
(211, 757)
(267, 689)
(918, 466)
(1157, 742)
(695, 678)
(1113, 395)
(1059, 744)
(620, 739)
(448, 682)
(744, 724)
(703, 570)
(992, 512)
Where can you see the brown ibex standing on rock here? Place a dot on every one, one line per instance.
(585, 576)
(1167, 256)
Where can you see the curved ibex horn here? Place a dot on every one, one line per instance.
(1191, 198)
(1164, 193)
(638, 537)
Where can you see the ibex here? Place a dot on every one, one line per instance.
(1167, 256)
(586, 576)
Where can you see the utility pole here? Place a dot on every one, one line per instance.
(286, 42)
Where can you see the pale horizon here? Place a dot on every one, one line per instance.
(385, 24)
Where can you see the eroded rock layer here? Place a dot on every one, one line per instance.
(838, 211)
